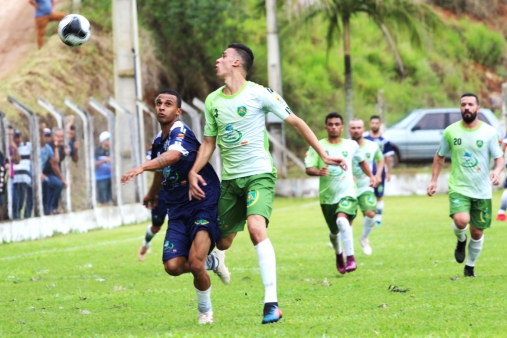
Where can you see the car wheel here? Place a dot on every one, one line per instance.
(396, 158)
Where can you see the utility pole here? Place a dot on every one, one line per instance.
(276, 127)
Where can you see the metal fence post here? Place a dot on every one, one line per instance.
(4, 148)
(115, 154)
(58, 115)
(88, 152)
(35, 139)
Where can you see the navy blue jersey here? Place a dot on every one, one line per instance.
(175, 183)
(383, 143)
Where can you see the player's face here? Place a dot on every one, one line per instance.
(356, 130)
(334, 127)
(226, 62)
(375, 125)
(167, 108)
(469, 109)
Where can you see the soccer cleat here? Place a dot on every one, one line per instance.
(459, 252)
(378, 223)
(205, 317)
(340, 263)
(272, 314)
(351, 263)
(365, 243)
(143, 251)
(469, 271)
(501, 217)
(221, 270)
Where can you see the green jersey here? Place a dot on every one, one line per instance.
(372, 153)
(239, 123)
(339, 183)
(471, 152)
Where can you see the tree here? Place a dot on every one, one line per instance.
(411, 17)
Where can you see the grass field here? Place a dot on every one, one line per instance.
(91, 285)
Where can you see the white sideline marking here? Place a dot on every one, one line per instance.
(74, 248)
(306, 205)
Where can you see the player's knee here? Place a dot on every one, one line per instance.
(370, 213)
(476, 233)
(172, 269)
(223, 244)
(196, 266)
(155, 228)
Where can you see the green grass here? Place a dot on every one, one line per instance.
(92, 284)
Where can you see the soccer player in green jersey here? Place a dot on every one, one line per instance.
(337, 190)
(365, 193)
(235, 119)
(472, 144)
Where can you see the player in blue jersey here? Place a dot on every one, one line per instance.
(193, 228)
(158, 214)
(388, 151)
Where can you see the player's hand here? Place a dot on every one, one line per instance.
(150, 201)
(195, 190)
(65, 184)
(432, 188)
(373, 181)
(66, 150)
(388, 176)
(323, 172)
(495, 178)
(336, 161)
(129, 176)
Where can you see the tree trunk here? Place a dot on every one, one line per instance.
(392, 46)
(349, 109)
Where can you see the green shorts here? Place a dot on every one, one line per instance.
(347, 205)
(367, 201)
(244, 196)
(479, 209)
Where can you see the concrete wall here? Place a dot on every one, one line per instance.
(400, 185)
(83, 221)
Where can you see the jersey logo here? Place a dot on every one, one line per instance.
(370, 200)
(201, 222)
(242, 111)
(468, 161)
(346, 204)
(231, 135)
(479, 143)
(252, 198)
(345, 153)
(368, 155)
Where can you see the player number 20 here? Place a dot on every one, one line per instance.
(457, 141)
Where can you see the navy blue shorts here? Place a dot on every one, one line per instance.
(505, 184)
(158, 214)
(181, 231)
(379, 190)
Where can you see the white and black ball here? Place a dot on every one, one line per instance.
(74, 30)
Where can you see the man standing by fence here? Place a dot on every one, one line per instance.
(22, 179)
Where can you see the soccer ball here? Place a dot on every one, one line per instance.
(74, 30)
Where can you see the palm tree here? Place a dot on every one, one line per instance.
(409, 16)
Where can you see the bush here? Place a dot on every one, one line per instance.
(484, 46)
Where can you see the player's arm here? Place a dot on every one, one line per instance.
(317, 172)
(302, 128)
(379, 164)
(367, 171)
(33, 3)
(164, 160)
(203, 155)
(151, 198)
(438, 163)
(497, 169)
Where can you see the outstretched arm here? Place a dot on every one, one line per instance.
(367, 171)
(205, 151)
(164, 160)
(302, 128)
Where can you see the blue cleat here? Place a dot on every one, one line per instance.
(272, 314)
(378, 223)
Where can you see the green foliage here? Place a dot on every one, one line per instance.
(99, 13)
(484, 46)
(91, 285)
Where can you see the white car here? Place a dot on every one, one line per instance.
(417, 136)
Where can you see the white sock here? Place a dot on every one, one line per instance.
(368, 224)
(380, 209)
(460, 233)
(335, 240)
(267, 265)
(346, 235)
(148, 236)
(474, 250)
(503, 202)
(203, 300)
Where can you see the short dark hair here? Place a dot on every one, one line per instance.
(245, 53)
(171, 92)
(72, 127)
(334, 115)
(470, 95)
(377, 117)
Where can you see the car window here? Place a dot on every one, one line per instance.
(455, 117)
(431, 122)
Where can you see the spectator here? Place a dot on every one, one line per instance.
(45, 154)
(2, 178)
(103, 169)
(54, 183)
(43, 15)
(73, 144)
(22, 179)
